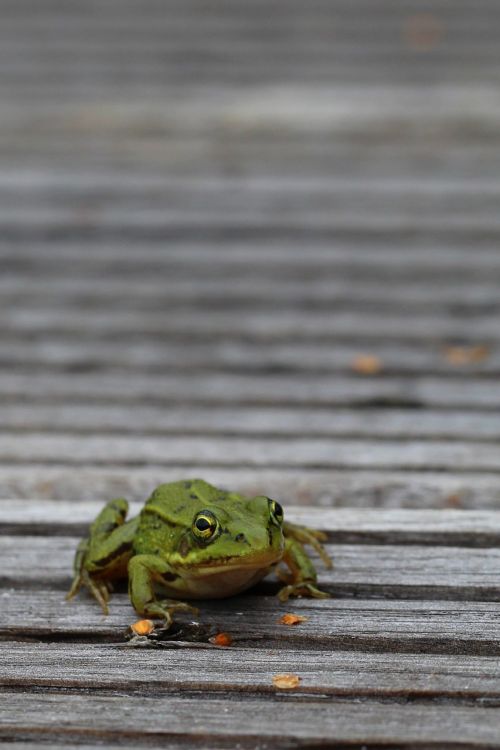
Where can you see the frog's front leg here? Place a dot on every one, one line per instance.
(143, 572)
(104, 554)
(303, 577)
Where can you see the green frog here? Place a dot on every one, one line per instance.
(194, 541)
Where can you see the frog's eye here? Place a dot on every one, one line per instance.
(276, 512)
(205, 525)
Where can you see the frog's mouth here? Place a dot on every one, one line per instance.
(254, 561)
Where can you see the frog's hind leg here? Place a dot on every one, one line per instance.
(104, 555)
(313, 537)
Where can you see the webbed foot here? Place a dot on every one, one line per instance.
(164, 609)
(302, 588)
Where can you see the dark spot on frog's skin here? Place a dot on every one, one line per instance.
(169, 576)
(188, 485)
(193, 497)
(270, 536)
(180, 508)
(124, 547)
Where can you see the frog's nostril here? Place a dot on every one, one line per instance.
(240, 538)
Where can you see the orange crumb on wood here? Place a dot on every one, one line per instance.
(367, 364)
(142, 627)
(292, 619)
(221, 639)
(286, 681)
(466, 355)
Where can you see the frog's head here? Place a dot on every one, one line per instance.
(233, 532)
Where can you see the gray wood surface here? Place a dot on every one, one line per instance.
(208, 213)
(404, 654)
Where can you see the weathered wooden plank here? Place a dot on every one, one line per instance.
(235, 16)
(27, 665)
(150, 293)
(316, 220)
(367, 569)
(325, 110)
(355, 488)
(237, 253)
(256, 325)
(436, 527)
(335, 722)
(132, 450)
(99, 66)
(374, 625)
(106, 50)
(197, 257)
(47, 352)
(206, 389)
(222, 421)
(152, 188)
(246, 200)
(255, 154)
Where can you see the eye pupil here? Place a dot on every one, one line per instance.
(275, 510)
(202, 524)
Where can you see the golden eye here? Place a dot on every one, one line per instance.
(276, 512)
(205, 525)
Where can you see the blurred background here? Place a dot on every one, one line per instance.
(255, 242)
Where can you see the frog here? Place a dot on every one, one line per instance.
(194, 541)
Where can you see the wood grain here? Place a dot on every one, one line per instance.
(208, 211)
(375, 625)
(214, 422)
(325, 673)
(326, 487)
(312, 721)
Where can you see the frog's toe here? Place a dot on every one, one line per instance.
(166, 608)
(303, 588)
(75, 587)
(98, 589)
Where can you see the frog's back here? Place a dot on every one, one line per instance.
(180, 499)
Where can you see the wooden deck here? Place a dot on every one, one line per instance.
(405, 654)
(256, 242)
